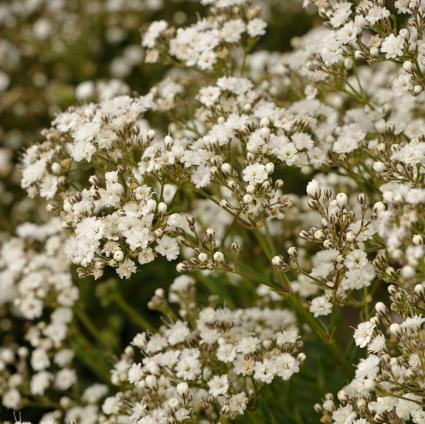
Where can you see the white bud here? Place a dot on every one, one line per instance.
(150, 381)
(292, 251)
(374, 51)
(408, 66)
(203, 257)
(407, 271)
(118, 255)
(327, 244)
(56, 168)
(180, 267)
(395, 329)
(162, 207)
(151, 205)
(404, 33)
(269, 167)
(226, 168)
(265, 132)
(151, 134)
(342, 396)
(218, 257)
(182, 388)
(417, 240)
(250, 189)
(380, 307)
(313, 188)
(350, 236)
(341, 200)
(420, 289)
(247, 198)
(417, 89)
(173, 403)
(379, 166)
(348, 63)
(378, 207)
(264, 122)
(359, 55)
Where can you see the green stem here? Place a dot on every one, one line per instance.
(301, 311)
(90, 356)
(90, 327)
(132, 313)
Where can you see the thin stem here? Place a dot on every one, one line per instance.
(302, 312)
(91, 327)
(134, 315)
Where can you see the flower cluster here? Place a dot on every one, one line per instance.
(388, 383)
(38, 289)
(367, 32)
(197, 146)
(207, 363)
(209, 42)
(342, 264)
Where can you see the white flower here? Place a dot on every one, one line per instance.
(368, 367)
(363, 334)
(340, 14)
(232, 30)
(168, 247)
(126, 268)
(255, 174)
(356, 259)
(11, 399)
(313, 188)
(286, 366)
(393, 46)
(320, 306)
(33, 173)
(256, 27)
(82, 150)
(155, 29)
(65, 378)
(135, 373)
(344, 415)
(218, 385)
(265, 371)
(248, 345)
(208, 96)
(349, 139)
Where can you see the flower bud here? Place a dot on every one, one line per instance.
(408, 66)
(203, 257)
(341, 200)
(182, 388)
(395, 329)
(278, 261)
(218, 257)
(417, 240)
(313, 189)
(380, 308)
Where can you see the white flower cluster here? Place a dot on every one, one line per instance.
(38, 290)
(342, 265)
(208, 363)
(115, 220)
(367, 31)
(388, 383)
(196, 168)
(207, 43)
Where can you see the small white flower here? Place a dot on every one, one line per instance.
(363, 334)
(218, 385)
